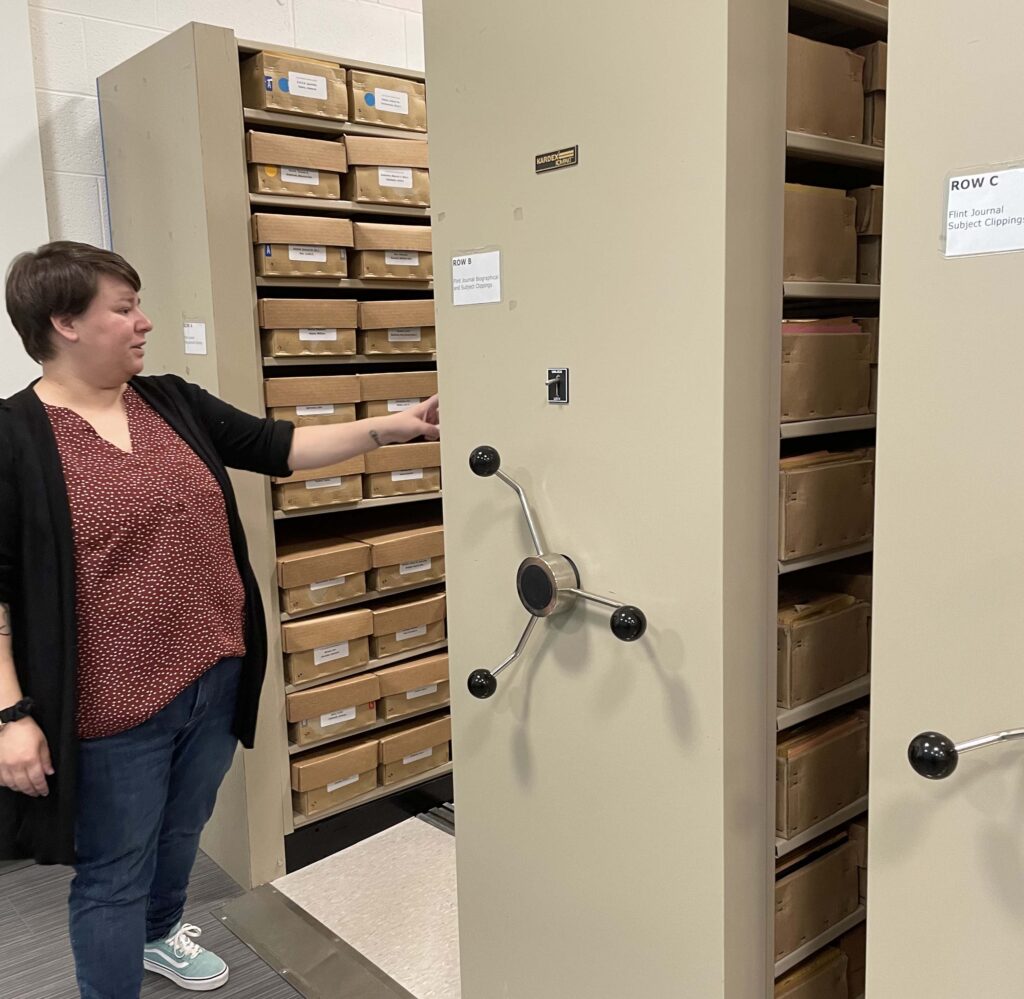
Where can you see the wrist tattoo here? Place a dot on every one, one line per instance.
(5, 620)
(376, 438)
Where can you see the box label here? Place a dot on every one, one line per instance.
(310, 333)
(407, 633)
(305, 85)
(337, 717)
(339, 784)
(327, 409)
(423, 754)
(326, 583)
(405, 334)
(195, 338)
(476, 278)
(328, 653)
(411, 695)
(297, 175)
(395, 101)
(316, 254)
(985, 213)
(420, 565)
(407, 475)
(394, 177)
(397, 405)
(402, 258)
(324, 483)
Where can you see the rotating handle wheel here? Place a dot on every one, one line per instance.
(933, 755)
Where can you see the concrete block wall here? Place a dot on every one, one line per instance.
(74, 41)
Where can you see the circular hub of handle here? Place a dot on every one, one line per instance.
(542, 581)
(933, 755)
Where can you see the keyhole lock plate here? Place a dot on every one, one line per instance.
(558, 386)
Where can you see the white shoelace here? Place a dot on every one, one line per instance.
(184, 943)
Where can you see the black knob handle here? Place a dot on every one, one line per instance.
(482, 683)
(629, 623)
(484, 460)
(933, 755)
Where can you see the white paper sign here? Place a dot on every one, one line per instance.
(299, 175)
(420, 565)
(337, 785)
(402, 258)
(405, 334)
(195, 338)
(328, 653)
(407, 475)
(337, 717)
(305, 85)
(985, 213)
(312, 333)
(476, 278)
(326, 409)
(394, 177)
(399, 405)
(391, 100)
(327, 583)
(415, 757)
(406, 634)
(316, 254)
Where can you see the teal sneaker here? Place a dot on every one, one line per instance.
(184, 962)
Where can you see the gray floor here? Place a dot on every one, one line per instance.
(35, 960)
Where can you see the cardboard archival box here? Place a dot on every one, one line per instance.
(825, 369)
(313, 573)
(858, 831)
(392, 251)
(324, 780)
(314, 400)
(301, 245)
(387, 100)
(874, 119)
(815, 888)
(826, 501)
(296, 327)
(333, 709)
(313, 487)
(824, 90)
(852, 575)
(298, 85)
(387, 171)
(869, 259)
(410, 687)
(820, 768)
(824, 976)
(407, 623)
(820, 240)
(382, 394)
(326, 645)
(869, 324)
(397, 327)
(402, 469)
(403, 556)
(823, 643)
(854, 946)
(295, 167)
(876, 57)
(414, 748)
(869, 209)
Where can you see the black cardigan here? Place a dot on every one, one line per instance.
(37, 580)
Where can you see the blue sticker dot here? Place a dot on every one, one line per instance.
(282, 84)
(370, 99)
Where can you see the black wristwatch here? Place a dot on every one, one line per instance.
(20, 710)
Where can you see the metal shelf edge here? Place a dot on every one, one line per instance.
(789, 962)
(336, 206)
(381, 792)
(860, 13)
(327, 126)
(834, 425)
(788, 717)
(368, 667)
(841, 290)
(825, 558)
(366, 504)
(344, 284)
(784, 847)
(824, 149)
(287, 362)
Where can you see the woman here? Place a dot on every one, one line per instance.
(132, 640)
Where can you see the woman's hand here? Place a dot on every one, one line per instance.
(24, 758)
(421, 420)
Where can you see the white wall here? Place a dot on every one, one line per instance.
(74, 41)
(22, 218)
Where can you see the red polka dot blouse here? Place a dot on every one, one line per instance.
(159, 599)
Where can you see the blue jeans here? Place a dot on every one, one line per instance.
(144, 796)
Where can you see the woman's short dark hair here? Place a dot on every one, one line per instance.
(59, 279)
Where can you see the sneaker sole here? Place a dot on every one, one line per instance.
(189, 984)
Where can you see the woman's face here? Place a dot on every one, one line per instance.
(106, 343)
